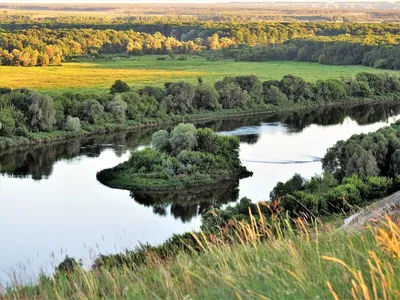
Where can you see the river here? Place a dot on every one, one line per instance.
(51, 203)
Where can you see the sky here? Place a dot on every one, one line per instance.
(178, 1)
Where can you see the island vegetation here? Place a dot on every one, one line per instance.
(285, 235)
(30, 117)
(182, 158)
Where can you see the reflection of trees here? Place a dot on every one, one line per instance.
(232, 123)
(362, 114)
(189, 203)
(38, 161)
(376, 113)
(250, 139)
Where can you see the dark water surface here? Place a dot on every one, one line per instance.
(51, 203)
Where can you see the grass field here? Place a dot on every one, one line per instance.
(97, 76)
(257, 262)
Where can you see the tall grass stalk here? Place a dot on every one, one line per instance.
(260, 259)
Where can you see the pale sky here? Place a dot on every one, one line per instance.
(180, 1)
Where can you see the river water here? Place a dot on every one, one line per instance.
(52, 205)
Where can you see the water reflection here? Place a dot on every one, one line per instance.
(50, 198)
(187, 204)
(38, 161)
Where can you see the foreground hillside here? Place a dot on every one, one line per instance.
(253, 261)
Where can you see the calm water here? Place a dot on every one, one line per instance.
(51, 203)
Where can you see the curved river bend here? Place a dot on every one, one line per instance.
(51, 203)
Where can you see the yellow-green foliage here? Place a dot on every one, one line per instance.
(98, 75)
(258, 261)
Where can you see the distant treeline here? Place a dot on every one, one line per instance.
(24, 111)
(112, 15)
(324, 51)
(40, 47)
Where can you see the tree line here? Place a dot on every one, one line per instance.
(167, 14)
(24, 111)
(40, 47)
(383, 52)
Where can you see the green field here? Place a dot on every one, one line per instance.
(98, 75)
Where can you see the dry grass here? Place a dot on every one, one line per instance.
(97, 76)
(256, 260)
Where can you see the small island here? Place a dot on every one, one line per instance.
(183, 158)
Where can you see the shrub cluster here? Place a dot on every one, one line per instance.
(24, 111)
(184, 157)
(373, 154)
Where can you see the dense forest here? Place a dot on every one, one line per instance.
(24, 112)
(330, 43)
(342, 51)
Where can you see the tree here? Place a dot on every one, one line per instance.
(4, 90)
(92, 111)
(118, 108)
(7, 122)
(395, 163)
(183, 137)
(232, 96)
(295, 88)
(362, 163)
(119, 86)
(160, 141)
(156, 92)
(281, 189)
(274, 96)
(206, 97)
(42, 115)
(72, 124)
(179, 97)
(330, 90)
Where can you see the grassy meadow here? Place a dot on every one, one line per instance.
(258, 261)
(97, 76)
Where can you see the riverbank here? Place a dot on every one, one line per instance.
(251, 260)
(16, 142)
(71, 180)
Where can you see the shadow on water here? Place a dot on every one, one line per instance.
(37, 162)
(187, 204)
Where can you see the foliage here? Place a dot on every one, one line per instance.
(365, 154)
(35, 112)
(119, 87)
(183, 137)
(92, 111)
(41, 114)
(179, 97)
(353, 43)
(355, 165)
(160, 141)
(118, 110)
(72, 124)
(206, 97)
(183, 158)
